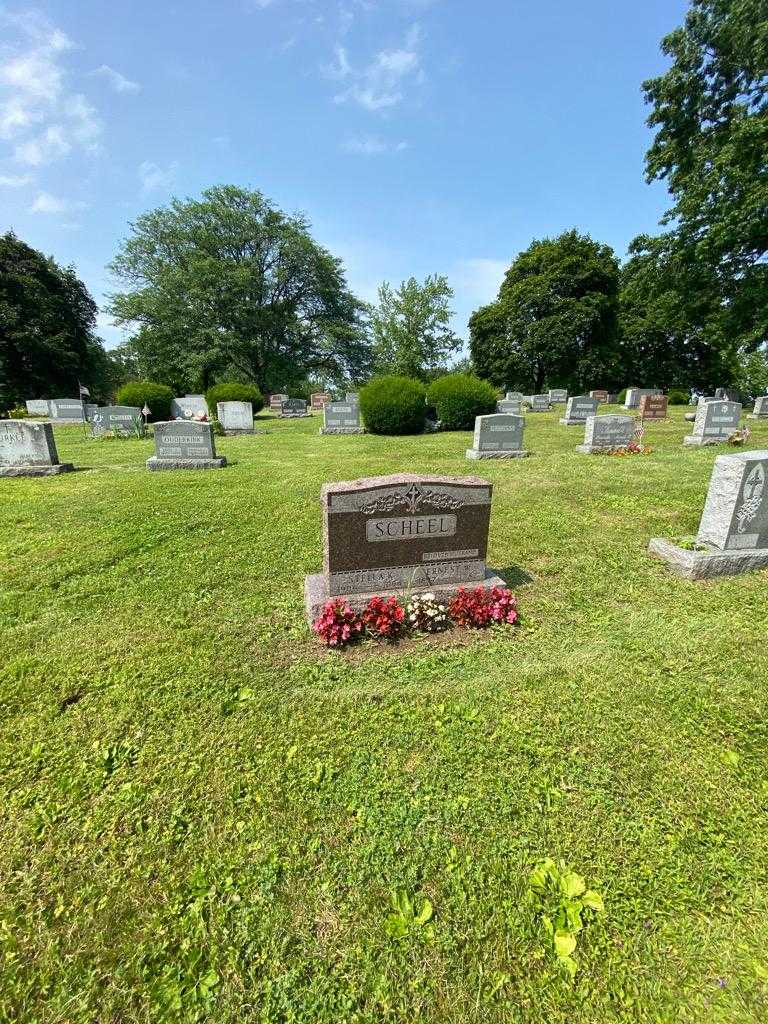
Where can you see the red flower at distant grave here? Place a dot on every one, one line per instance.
(338, 624)
(384, 617)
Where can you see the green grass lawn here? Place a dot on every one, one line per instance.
(205, 814)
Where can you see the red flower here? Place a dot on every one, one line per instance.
(478, 608)
(338, 624)
(384, 617)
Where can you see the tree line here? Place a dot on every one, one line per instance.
(228, 287)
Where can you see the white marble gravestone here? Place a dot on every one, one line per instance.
(498, 436)
(188, 406)
(29, 449)
(235, 417)
(606, 434)
(577, 409)
(632, 400)
(714, 423)
(733, 532)
(38, 407)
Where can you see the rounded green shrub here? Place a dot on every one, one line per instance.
(677, 396)
(621, 397)
(393, 405)
(157, 396)
(234, 393)
(459, 397)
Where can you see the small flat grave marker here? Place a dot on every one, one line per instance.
(341, 418)
(577, 409)
(185, 444)
(734, 525)
(391, 534)
(235, 417)
(29, 449)
(714, 423)
(498, 436)
(606, 434)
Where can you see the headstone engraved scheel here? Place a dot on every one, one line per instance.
(733, 532)
(510, 406)
(600, 395)
(188, 407)
(185, 444)
(727, 395)
(293, 407)
(235, 417)
(341, 418)
(71, 409)
(577, 409)
(390, 534)
(715, 422)
(38, 407)
(29, 449)
(539, 403)
(318, 399)
(558, 396)
(606, 434)
(632, 401)
(117, 419)
(498, 437)
(653, 407)
(760, 412)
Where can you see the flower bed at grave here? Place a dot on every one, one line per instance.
(387, 619)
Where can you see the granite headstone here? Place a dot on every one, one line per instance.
(185, 444)
(318, 399)
(29, 449)
(189, 406)
(71, 409)
(498, 436)
(577, 408)
(341, 418)
(510, 406)
(38, 407)
(293, 408)
(558, 396)
(760, 412)
(606, 434)
(653, 407)
(117, 419)
(235, 417)
(632, 400)
(539, 403)
(714, 423)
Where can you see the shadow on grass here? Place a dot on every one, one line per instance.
(513, 575)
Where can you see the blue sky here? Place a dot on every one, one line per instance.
(419, 136)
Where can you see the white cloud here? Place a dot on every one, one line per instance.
(380, 84)
(479, 279)
(39, 115)
(116, 81)
(154, 178)
(372, 145)
(14, 180)
(44, 202)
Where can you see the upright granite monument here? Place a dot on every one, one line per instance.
(235, 417)
(727, 395)
(539, 403)
(341, 418)
(29, 449)
(510, 406)
(577, 409)
(600, 394)
(733, 532)
(66, 410)
(760, 412)
(276, 402)
(189, 406)
(606, 434)
(318, 399)
(558, 396)
(514, 396)
(653, 407)
(391, 534)
(117, 419)
(293, 408)
(714, 423)
(498, 436)
(632, 401)
(185, 444)
(38, 407)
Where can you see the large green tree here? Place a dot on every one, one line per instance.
(228, 285)
(411, 327)
(554, 323)
(711, 150)
(47, 321)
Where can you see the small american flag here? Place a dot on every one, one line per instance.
(83, 390)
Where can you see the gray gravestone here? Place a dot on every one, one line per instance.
(514, 396)
(510, 406)
(606, 434)
(539, 403)
(577, 409)
(90, 410)
(70, 409)
(189, 406)
(498, 437)
(235, 417)
(558, 396)
(117, 419)
(38, 407)
(341, 418)
(185, 444)
(397, 534)
(632, 401)
(294, 407)
(352, 396)
(727, 395)
(29, 449)
(734, 525)
(760, 411)
(714, 423)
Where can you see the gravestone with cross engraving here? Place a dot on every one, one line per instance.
(733, 532)
(29, 449)
(403, 533)
(577, 409)
(185, 444)
(498, 436)
(714, 423)
(341, 418)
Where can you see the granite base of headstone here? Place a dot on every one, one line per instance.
(394, 535)
(577, 409)
(185, 444)
(714, 423)
(341, 418)
(606, 434)
(498, 436)
(29, 449)
(760, 411)
(733, 532)
(235, 417)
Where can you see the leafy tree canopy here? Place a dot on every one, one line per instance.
(554, 323)
(411, 327)
(228, 286)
